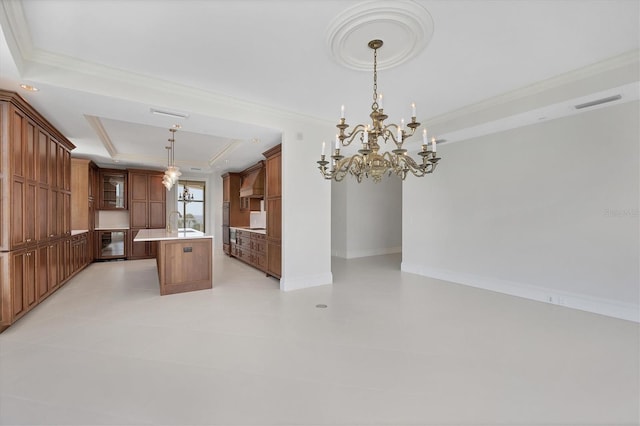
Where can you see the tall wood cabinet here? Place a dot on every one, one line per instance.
(232, 213)
(35, 219)
(273, 206)
(147, 210)
(84, 195)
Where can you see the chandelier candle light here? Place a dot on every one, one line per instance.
(369, 162)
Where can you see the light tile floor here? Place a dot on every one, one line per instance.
(391, 348)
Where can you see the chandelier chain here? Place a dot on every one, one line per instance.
(375, 78)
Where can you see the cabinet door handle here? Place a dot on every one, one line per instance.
(28, 240)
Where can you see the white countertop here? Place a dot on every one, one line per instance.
(78, 231)
(162, 234)
(262, 231)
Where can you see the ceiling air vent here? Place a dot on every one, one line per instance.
(598, 102)
(169, 113)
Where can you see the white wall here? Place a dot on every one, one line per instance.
(366, 217)
(339, 219)
(548, 211)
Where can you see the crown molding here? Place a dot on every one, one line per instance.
(613, 64)
(37, 64)
(16, 32)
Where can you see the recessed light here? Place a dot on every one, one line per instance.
(29, 88)
(255, 140)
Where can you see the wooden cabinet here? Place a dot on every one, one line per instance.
(24, 292)
(49, 256)
(35, 190)
(112, 190)
(232, 213)
(251, 248)
(84, 180)
(82, 175)
(274, 237)
(273, 206)
(79, 247)
(43, 215)
(274, 173)
(147, 210)
(184, 265)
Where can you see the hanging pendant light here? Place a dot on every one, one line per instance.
(166, 180)
(172, 174)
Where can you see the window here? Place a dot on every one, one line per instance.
(193, 208)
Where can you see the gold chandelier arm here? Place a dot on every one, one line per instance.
(347, 138)
(392, 134)
(343, 167)
(408, 164)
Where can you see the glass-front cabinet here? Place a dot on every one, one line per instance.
(112, 244)
(113, 189)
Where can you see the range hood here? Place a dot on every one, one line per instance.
(253, 182)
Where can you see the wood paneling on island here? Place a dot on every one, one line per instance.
(184, 259)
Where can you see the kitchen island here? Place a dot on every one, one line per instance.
(184, 259)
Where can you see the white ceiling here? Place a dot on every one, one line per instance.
(277, 55)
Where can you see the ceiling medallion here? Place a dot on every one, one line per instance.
(407, 28)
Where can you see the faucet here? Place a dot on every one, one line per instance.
(169, 229)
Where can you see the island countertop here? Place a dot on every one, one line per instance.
(164, 235)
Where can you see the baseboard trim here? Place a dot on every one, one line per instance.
(307, 281)
(354, 254)
(610, 308)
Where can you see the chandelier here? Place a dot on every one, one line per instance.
(185, 196)
(370, 162)
(172, 173)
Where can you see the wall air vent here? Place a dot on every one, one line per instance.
(169, 113)
(598, 102)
